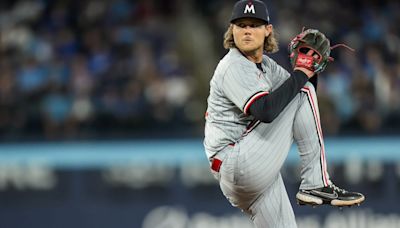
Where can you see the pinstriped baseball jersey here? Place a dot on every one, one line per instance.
(249, 170)
(236, 83)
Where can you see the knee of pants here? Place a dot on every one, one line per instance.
(237, 196)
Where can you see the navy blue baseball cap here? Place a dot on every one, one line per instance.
(250, 8)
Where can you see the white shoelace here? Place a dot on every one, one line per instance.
(336, 188)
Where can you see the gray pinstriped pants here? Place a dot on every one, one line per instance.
(250, 172)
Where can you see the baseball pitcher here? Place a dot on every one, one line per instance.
(256, 110)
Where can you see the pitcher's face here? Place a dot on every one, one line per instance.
(249, 34)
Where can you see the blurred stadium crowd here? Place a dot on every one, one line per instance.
(118, 68)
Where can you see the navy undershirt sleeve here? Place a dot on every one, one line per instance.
(268, 107)
(314, 81)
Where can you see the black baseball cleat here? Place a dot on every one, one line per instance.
(330, 194)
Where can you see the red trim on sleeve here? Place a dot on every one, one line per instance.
(252, 99)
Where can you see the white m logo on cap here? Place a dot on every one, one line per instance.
(249, 9)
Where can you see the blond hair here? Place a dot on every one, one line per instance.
(270, 43)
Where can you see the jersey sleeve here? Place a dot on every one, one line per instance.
(243, 85)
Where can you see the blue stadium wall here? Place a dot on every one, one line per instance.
(167, 184)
